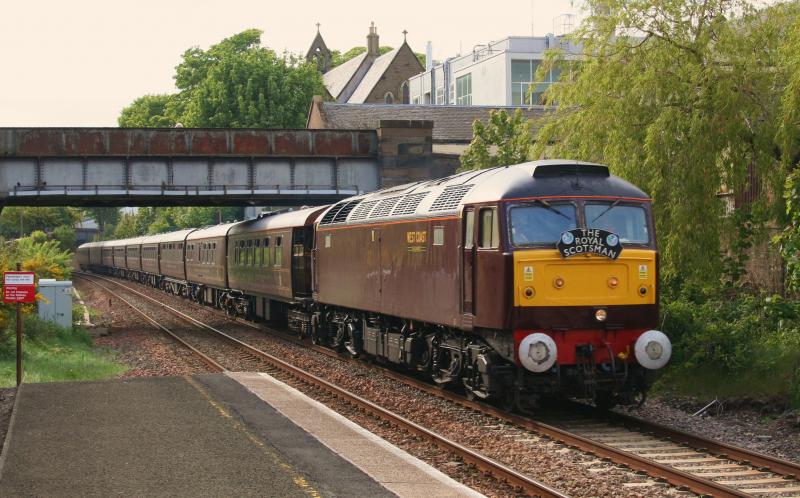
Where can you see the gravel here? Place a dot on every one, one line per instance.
(767, 427)
(6, 404)
(569, 470)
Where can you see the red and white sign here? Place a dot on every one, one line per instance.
(19, 287)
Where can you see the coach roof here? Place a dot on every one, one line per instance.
(274, 221)
(212, 231)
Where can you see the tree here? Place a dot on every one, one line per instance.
(105, 217)
(681, 98)
(149, 111)
(504, 140)
(236, 83)
(29, 218)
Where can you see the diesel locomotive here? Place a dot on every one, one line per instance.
(516, 283)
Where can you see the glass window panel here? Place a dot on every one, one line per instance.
(469, 228)
(540, 224)
(520, 71)
(628, 222)
(488, 237)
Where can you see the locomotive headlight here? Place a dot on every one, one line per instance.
(600, 315)
(653, 349)
(537, 352)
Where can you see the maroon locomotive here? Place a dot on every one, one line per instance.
(516, 283)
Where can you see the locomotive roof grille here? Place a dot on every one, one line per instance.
(362, 210)
(341, 215)
(409, 204)
(385, 207)
(328, 218)
(450, 197)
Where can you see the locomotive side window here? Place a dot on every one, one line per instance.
(489, 235)
(438, 236)
(469, 229)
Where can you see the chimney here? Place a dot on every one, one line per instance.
(429, 56)
(373, 47)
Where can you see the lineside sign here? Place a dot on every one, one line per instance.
(19, 287)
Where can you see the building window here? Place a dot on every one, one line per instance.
(525, 89)
(406, 93)
(464, 90)
(388, 98)
(452, 100)
(426, 99)
(415, 101)
(440, 95)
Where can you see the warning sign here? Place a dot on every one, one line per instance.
(18, 287)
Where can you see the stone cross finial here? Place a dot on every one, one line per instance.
(318, 25)
(404, 35)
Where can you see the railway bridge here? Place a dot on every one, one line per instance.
(192, 166)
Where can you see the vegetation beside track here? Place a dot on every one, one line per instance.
(731, 343)
(53, 353)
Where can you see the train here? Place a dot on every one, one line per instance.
(517, 284)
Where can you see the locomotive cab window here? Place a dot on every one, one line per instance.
(540, 223)
(489, 231)
(627, 221)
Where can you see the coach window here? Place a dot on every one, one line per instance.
(259, 257)
(278, 251)
(489, 235)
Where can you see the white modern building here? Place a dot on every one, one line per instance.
(501, 73)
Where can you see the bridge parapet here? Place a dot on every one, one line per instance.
(184, 166)
(38, 142)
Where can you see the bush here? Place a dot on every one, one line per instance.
(734, 336)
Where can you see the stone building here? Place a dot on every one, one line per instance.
(369, 77)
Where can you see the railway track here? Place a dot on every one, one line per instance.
(684, 460)
(481, 462)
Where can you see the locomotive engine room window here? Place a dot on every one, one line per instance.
(327, 240)
(489, 232)
(438, 236)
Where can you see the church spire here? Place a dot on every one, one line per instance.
(318, 53)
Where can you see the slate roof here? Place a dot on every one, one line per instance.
(373, 76)
(450, 123)
(337, 78)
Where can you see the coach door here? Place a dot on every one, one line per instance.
(468, 263)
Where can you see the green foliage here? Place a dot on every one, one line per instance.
(234, 84)
(35, 218)
(149, 111)
(106, 218)
(53, 353)
(739, 337)
(65, 235)
(789, 239)
(680, 98)
(148, 221)
(503, 141)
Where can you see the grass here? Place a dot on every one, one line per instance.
(53, 354)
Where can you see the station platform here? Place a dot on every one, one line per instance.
(239, 434)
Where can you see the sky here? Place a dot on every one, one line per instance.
(79, 62)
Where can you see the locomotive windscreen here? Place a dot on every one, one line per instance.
(628, 222)
(541, 224)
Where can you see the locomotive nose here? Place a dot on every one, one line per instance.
(653, 349)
